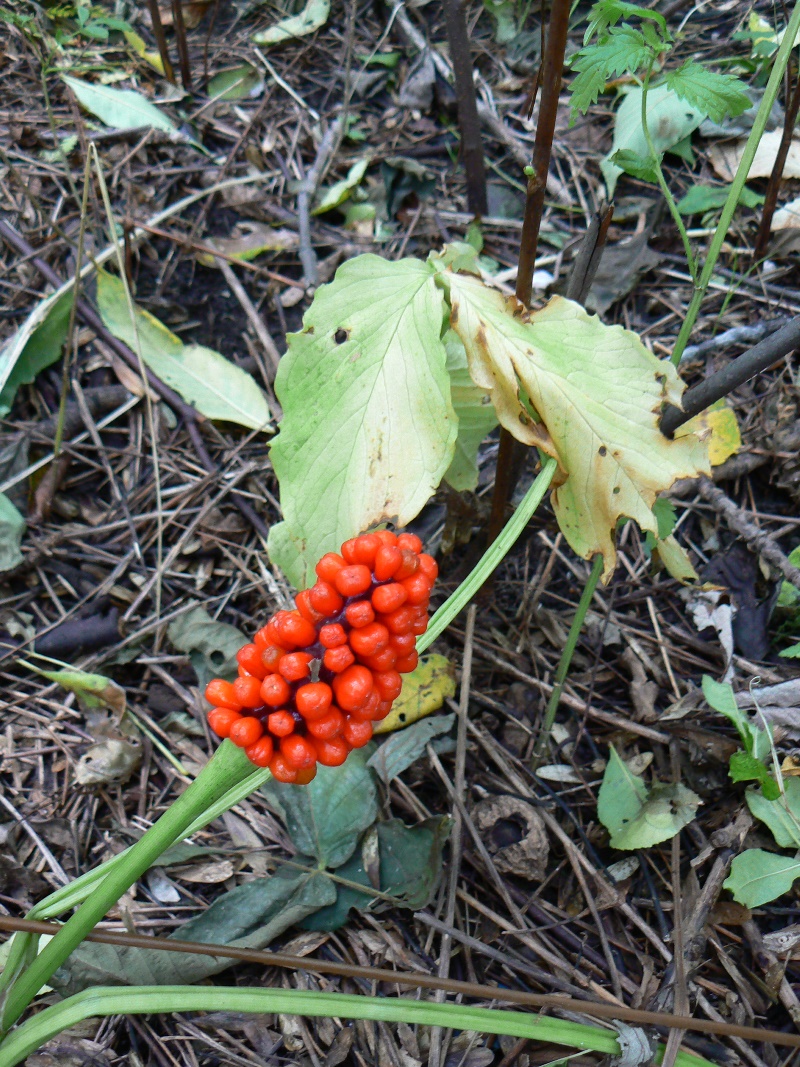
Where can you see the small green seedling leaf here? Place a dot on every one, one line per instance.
(717, 95)
(121, 109)
(643, 167)
(781, 814)
(369, 428)
(746, 768)
(92, 690)
(757, 877)
(312, 17)
(622, 49)
(607, 13)
(636, 818)
(675, 559)
(621, 795)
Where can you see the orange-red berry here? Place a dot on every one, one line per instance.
(247, 691)
(353, 580)
(246, 731)
(220, 693)
(281, 771)
(332, 635)
(390, 597)
(332, 753)
(221, 720)
(338, 659)
(357, 733)
(313, 700)
(369, 639)
(352, 687)
(328, 727)
(407, 664)
(381, 661)
(418, 589)
(400, 621)
(275, 691)
(429, 567)
(387, 562)
(298, 752)
(306, 775)
(280, 723)
(409, 565)
(307, 609)
(388, 684)
(329, 566)
(359, 613)
(409, 541)
(294, 666)
(249, 659)
(261, 752)
(324, 599)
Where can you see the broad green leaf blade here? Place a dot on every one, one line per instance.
(121, 109)
(403, 748)
(718, 95)
(12, 528)
(666, 811)
(782, 815)
(211, 383)
(326, 818)
(475, 412)
(622, 49)
(311, 18)
(669, 120)
(36, 345)
(757, 877)
(599, 393)
(621, 795)
(702, 198)
(368, 428)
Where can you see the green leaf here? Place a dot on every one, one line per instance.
(92, 690)
(666, 811)
(721, 698)
(716, 95)
(205, 379)
(475, 412)
(702, 198)
(404, 747)
(12, 529)
(249, 916)
(669, 120)
(792, 652)
(598, 392)
(326, 818)
(36, 345)
(121, 109)
(757, 877)
(622, 50)
(675, 559)
(666, 516)
(340, 191)
(621, 795)
(607, 13)
(505, 20)
(368, 429)
(746, 768)
(642, 167)
(789, 596)
(235, 84)
(212, 645)
(312, 17)
(781, 814)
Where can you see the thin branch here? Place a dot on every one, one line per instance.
(774, 183)
(468, 119)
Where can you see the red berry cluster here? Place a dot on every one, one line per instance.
(314, 680)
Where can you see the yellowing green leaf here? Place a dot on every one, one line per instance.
(621, 795)
(215, 386)
(724, 439)
(139, 46)
(676, 560)
(248, 241)
(476, 416)
(424, 691)
(313, 15)
(235, 84)
(368, 428)
(92, 690)
(340, 191)
(598, 392)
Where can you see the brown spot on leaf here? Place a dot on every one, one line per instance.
(602, 451)
(341, 336)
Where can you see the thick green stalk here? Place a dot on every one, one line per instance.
(149, 999)
(491, 558)
(225, 769)
(566, 657)
(732, 201)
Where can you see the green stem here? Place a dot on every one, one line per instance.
(491, 558)
(566, 657)
(228, 766)
(145, 1000)
(662, 182)
(735, 191)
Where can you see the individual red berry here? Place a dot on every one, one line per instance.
(359, 614)
(409, 541)
(249, 658)
(261, 639)
(403, 643)
(324, 598)
(280, 723)
(247, 692)
(418, 589)
(332, 635)
(390, 597)
(313, 700)
(369, 639)
(357, 733)
(307, 609)
(386, 537)
(384, 707)
(261, 752)
(271, 657)
(353, 580)
(352, 687)
(275, 691)
(429, 567)
(420, 626)
(306, 775)
(328, 727)
(409, 566)
(400, 621)
(298, 752)
(387, 562)
(281, 771)
(338, 659)
(294, 666)
(332, 753)
(407, 664)
(361, 549)
(388, 684)
(294, 630)
(220, 693)
(369, 709)
(221, 720)
(246, 731)
(381, 661)
(329, 566)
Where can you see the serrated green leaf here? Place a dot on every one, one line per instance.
(369, 428)
(621, 795)
(204, 378)
(121, 109)
(757, 877)
(608, 13)
(622, 50)
(475, 412)
(312, 17)
(781, 814)
(716, 95)
(643, 167)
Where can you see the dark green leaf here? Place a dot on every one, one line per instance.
(717, 95)
(623, 50)
(405, 746)
(746, 768)
(702, 198)
(42, 349)
(635, 165)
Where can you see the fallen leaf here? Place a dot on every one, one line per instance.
(721, 426)
(424, 691)
(312, 17)
(139, 46)
(211, 644)
(112, 760)
(725, 158)
(236, 84)
(787, 217)
(36, 345)
(121, 109)
(340, 191)
(12, 529)
(205, 873)
(406, 746)
(252, 239)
